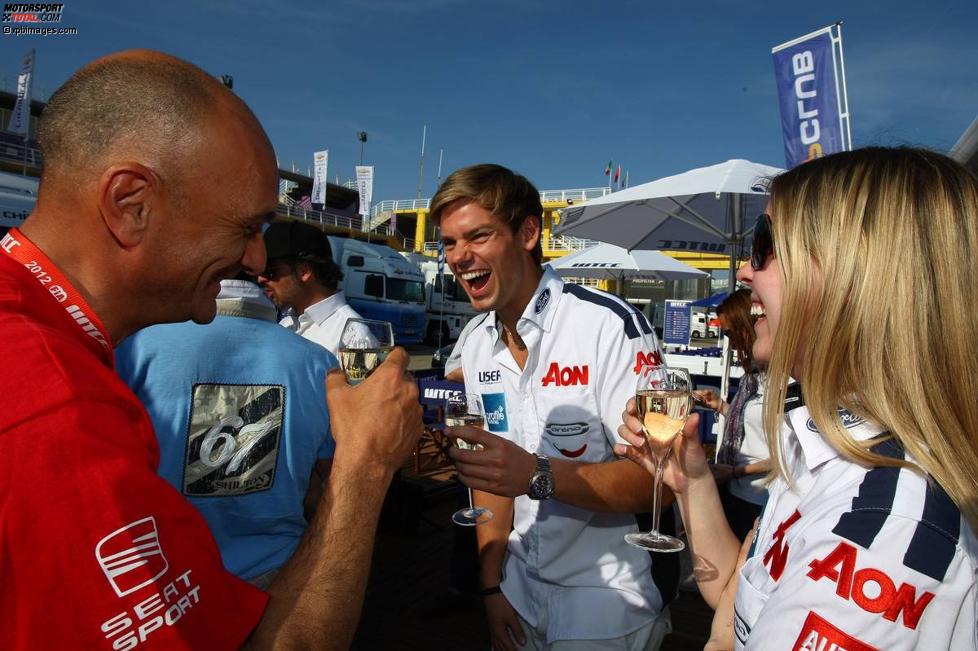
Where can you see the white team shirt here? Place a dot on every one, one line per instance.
(566, 404)
(853, 558)
(322, 322)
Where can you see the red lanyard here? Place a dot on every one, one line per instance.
(50, 277)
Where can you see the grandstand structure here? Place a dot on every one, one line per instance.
(410, 227)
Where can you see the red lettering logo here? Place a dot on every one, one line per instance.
(777, 556)
(819, 635)
(646, 360)
(850, 584)
(565, 377)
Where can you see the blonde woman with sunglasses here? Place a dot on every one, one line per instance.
(864, 282)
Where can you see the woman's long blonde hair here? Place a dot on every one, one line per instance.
(878, 251)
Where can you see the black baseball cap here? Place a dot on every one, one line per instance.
(290, 239)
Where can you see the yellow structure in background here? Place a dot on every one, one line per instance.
(415, 232)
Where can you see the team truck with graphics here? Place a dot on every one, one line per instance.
(446, 303)
(382, 285)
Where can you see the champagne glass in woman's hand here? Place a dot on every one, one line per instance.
(663, 400)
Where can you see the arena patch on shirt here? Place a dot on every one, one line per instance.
(819, 635)
(233, 439)
(566, 430)
(495, 408)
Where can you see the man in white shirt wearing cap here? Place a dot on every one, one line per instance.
(553, 364)
(302, 278)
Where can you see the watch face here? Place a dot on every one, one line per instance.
(543, 485)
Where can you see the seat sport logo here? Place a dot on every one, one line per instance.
(131, 557)
(881, 597)
(819, 635)
(648, 360)
(566, 376)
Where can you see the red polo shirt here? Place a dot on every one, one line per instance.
(96, 550)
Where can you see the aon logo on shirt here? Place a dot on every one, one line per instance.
(870, 588)
(566, 376)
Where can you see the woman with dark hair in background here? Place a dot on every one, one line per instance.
(742, 457)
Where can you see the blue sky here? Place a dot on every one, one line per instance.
(552, 89)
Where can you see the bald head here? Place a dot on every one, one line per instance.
(137, 102)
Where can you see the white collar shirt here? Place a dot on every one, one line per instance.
(323, 321)
(855, 558)
(568, 571)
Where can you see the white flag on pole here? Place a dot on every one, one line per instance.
(320, 162)
(20, 119)
(365, 186)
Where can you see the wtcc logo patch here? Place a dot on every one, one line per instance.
(495, 408)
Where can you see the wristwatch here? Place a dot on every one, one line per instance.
(542, 480)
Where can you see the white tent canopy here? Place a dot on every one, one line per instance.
(706, 210)
(607, 261)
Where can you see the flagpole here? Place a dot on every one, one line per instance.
(424, 135)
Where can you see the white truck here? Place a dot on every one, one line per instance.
(17, 197)
(446, 303)
(380, 284)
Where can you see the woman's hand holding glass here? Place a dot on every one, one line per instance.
(688, 461)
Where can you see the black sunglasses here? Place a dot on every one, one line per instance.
(277, 268)
(763, 246)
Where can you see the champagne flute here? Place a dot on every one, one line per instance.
(364, 345)
(663, 400)
(466, 409)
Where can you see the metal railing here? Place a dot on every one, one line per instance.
(14, 151)
(582, 194)
(565, 243)
(401, 204)
(547, 196)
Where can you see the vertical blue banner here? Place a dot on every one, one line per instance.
(675, 327)
(811, 94)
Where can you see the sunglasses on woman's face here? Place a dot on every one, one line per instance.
(763, 247)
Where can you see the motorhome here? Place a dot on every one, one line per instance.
(447, 304)
(380, 284)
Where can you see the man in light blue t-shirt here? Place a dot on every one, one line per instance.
(239, 410)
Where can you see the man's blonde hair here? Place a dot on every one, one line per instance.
(507, 195)
(879, 257)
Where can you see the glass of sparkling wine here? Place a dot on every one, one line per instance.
(364, 345)
(466, 409)
(663, 399)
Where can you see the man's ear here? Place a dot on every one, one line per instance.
(128, 195)
(304, 272)
(530, 232)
